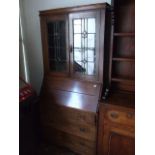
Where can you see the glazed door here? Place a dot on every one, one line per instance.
(84, 44)
(56, 52)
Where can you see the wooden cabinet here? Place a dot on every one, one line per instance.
(69, 115)
(73, 41)
(116, 130)
(73, 52)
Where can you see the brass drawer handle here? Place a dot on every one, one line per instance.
(129, 115)
(82, 129)
(81, 143)
(114, 115)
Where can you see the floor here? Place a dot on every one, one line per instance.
(54, 150)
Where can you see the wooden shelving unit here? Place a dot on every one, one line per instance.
(122, 55)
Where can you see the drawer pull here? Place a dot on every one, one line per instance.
(81, 143)
(82, 129)
(129, 115)
(114, 115)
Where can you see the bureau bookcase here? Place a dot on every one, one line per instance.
(73, 53)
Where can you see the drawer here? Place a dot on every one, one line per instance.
(80, 130)
(76, 144)
(121, 116)
(61, 113)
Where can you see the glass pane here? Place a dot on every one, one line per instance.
(91, 25)
(84, 33)
(91, 40)
(57, 45)
(77, 21)
(90, 55)
(77, 40)
(77, 26)
(77, 55)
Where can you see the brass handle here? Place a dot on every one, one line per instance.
(114, 115)
(81, 143)
(82, 129)
(129, 115)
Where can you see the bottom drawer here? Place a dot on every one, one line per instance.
(74, 143)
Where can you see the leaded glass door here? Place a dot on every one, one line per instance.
(57, 41)
(84, 44)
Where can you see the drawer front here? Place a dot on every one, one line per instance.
(76, 144)
(122, 117)
(80, 130)
(59, 113)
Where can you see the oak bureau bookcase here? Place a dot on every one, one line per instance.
(74, 41)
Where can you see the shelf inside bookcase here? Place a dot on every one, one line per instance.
(125, 59)
(124, 34)
(123, 80)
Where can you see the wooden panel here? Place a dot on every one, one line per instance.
(128, 85)
(116, 130)
(115, 137)
(68, 84)
(44, 43)
(120, 100)
(125, 15)
(74, 9)
(121, 117)
(74, 143)
(83, 131)
(120, 145)
(124, 47)
(123, 69)
(55, 112)
(71, 100)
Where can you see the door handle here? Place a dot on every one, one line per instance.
(71, 49)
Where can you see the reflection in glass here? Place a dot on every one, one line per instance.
(57, 45)
(91, 23)
(84, 39)
(90, 56)
(77, 55)
(91, 40)
(77, 40)
(77, 26)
